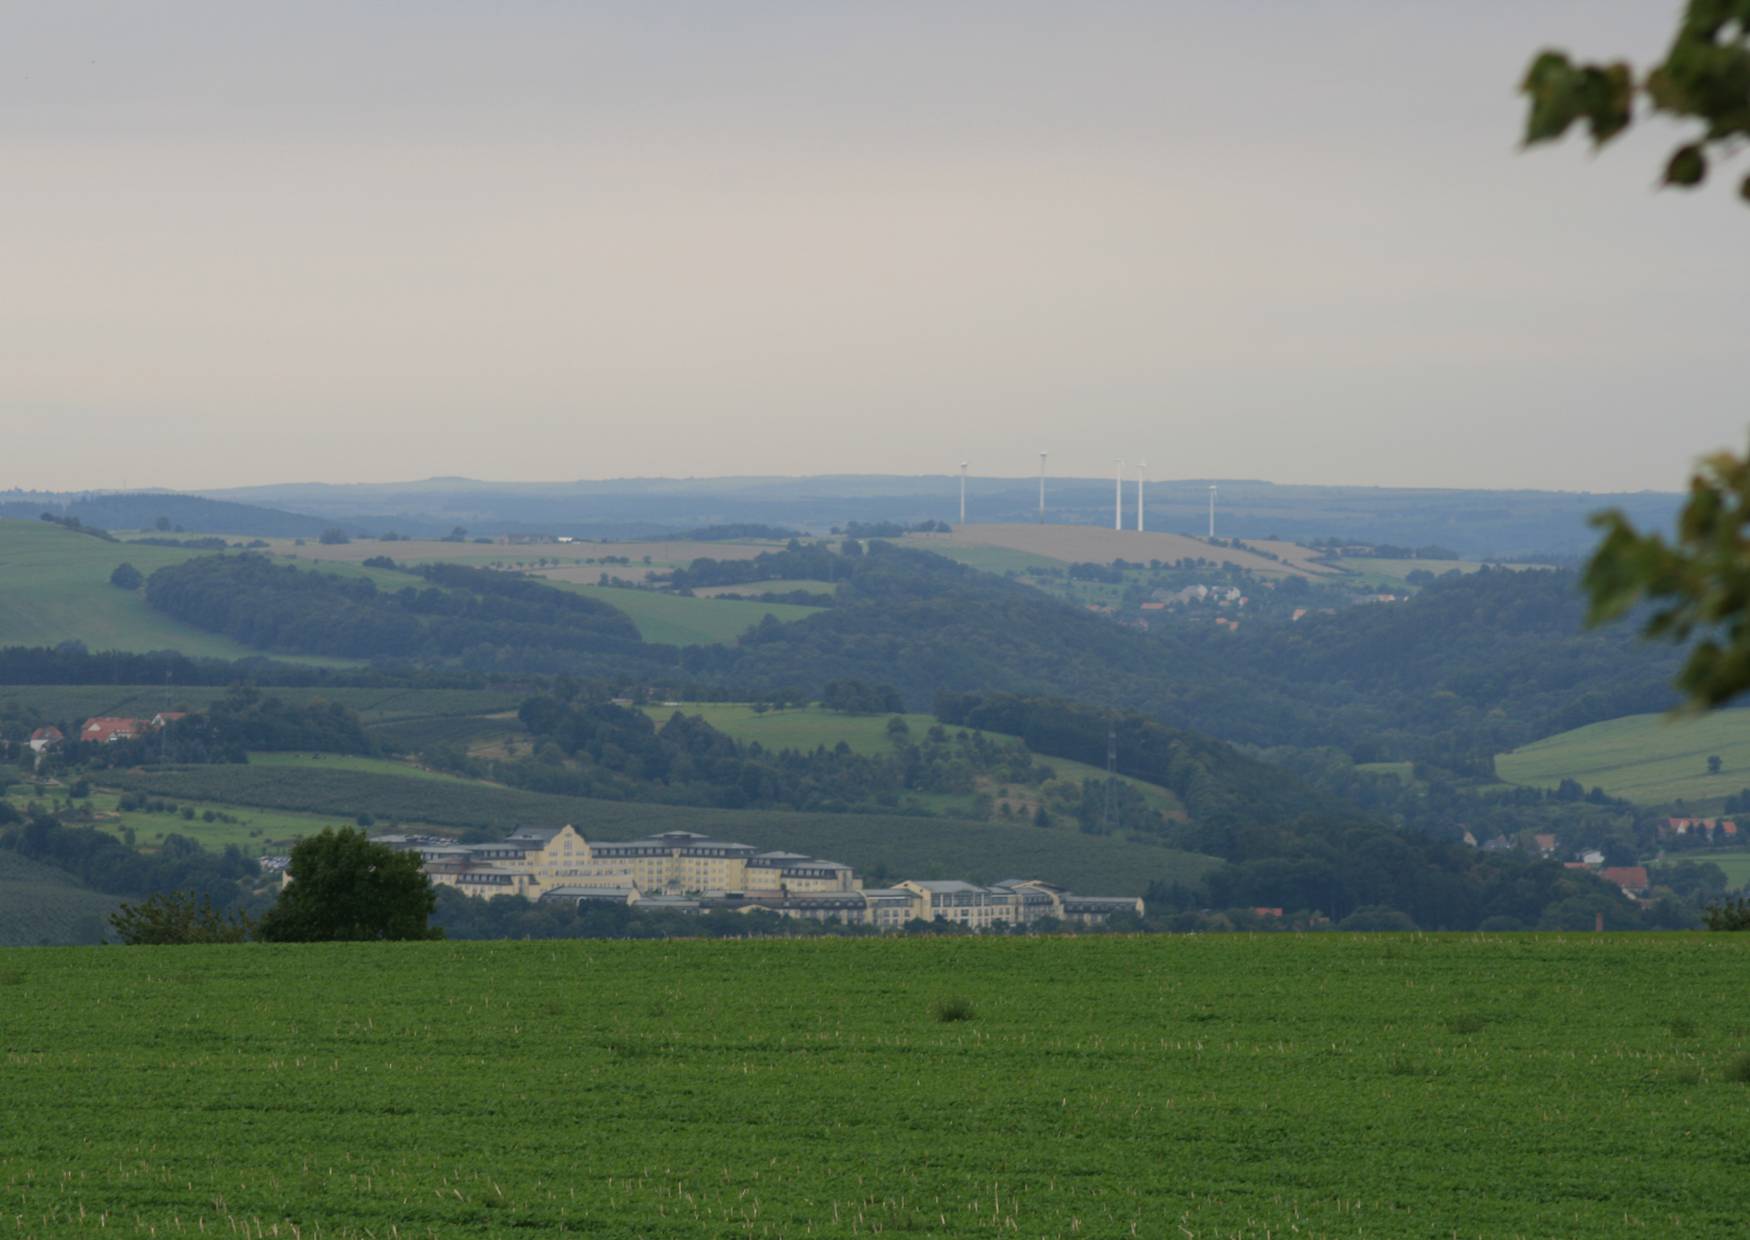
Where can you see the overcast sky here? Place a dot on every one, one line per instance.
(1282, 239)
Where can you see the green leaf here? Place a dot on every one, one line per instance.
(1687, 166)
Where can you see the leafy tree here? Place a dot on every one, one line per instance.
(1700, 583)
(127, 577)
(334, 536)
(1713, 764)
(176, 917)
(1728, 915)
(1705, 77)
(344, 887)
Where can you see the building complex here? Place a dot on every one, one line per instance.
(680, 870)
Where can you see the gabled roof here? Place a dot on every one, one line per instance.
(105, 728)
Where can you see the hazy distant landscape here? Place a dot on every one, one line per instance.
(769, 620)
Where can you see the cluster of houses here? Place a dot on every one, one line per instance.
(685, 872)
(104, 730)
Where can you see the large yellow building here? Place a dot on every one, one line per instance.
(683, 870)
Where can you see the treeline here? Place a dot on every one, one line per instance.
(740, 531)
(482, 618)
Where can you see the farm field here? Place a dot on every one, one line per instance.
(1202, 1086)
(769, 587)
(808, 727)
(893, 844)
(1394, 574)
(257, 832)
(1098, 545)
(40, 904)
(665, 552)
(674, 620)
(1650, 759)
(1734, 861)
(54, 587)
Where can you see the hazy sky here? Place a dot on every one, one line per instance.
(1283, 239)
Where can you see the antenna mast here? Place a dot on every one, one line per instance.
(962, 492)
(1212, 510)
(1042, 488)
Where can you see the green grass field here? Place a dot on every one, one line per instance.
(900, 846)
(1394, 574)
(1650, 759)
(1212, 1086)
(674, 620)
(807, 727)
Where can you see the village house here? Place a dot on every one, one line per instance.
(107, 729)
(44, 739)
(1631, 878)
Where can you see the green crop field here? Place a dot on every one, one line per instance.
(903, 847)
(40, 904)
(1650, 759)
(987, 559)
(807, 727)
(675, 620)
(54, 587)
(1224, 1085)
(1394, 574)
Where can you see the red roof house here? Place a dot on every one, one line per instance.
(105, 729)
(45, 738)
(1631, 878)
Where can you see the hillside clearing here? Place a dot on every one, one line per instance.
(1097, 545)
(1213, 1085)
(674, 620)
(1649, 759)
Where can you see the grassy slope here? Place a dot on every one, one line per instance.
(1223, 1085)
(807, 727)
(40, 904)
(54, 587)
(1394, 574)
(673, 620)
(905, 847)
(1645, 758)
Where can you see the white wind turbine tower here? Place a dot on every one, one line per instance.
(1212, 510)
(1141, 470)
(1042, 488)
(962, 492)
(1118, 498)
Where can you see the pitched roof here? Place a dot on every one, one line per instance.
(106, 728)
(1628, 877)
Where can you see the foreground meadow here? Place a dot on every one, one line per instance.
(1371, 1085)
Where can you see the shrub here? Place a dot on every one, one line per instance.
(955, 1008)
(1728, 915)
(127, 577)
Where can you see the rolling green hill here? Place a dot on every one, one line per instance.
(901, 846)
(1649, 759)
(54, 587)
(40, 904)
(1223, 1085)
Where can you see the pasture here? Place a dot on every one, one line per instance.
(1649, 759)
(1061, 544)
(1395, 574)
(54, 587)
(1578, 1085)
(675, 620)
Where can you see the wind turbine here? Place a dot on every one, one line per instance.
(1141, 469)
(1118, 498)
(1042, 488)
(1212, 510)
(962, 492)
